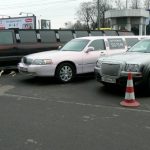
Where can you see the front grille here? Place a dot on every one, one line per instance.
(27, 61)
(110, 69)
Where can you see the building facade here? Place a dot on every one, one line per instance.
(128, 19)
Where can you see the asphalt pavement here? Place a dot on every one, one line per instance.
(42, 114)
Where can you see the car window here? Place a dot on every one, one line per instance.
(48, 36)
(142, 46)
(116, 43)
(131, 41)
(98, 44)
(65, 36)
(28, 36)
(6, 37)
(75, 45)
(81, 33)
(96, 33)
(110, 33)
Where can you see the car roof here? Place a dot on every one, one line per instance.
(103, 37)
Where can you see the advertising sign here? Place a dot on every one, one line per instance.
(28, 22)
(45, 24)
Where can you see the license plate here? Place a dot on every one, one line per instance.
(23, 69)
(109, 80)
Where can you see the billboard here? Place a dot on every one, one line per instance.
(45, 24)
(28, 22)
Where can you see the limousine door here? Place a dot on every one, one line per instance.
(90, 57)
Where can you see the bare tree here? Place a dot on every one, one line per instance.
(79, 25)
(136, 4)
(104, 5)
(147, 4)
(87, 13)
(119, 4)
(76, 25)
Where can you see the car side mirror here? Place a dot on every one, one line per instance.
(128, 47)
(89, 49)
(59, 47)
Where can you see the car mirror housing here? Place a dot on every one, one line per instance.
(128, 47)
(89, 49)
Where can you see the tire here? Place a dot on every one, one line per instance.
(148, 84)
(146, 78)
(65, 72)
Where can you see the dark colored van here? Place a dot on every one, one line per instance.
(15, 43)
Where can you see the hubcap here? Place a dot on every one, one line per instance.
(65, 73)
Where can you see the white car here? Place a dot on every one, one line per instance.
(78, 56)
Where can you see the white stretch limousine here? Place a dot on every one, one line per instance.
(78, 56)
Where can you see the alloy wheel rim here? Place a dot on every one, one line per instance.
(65, 73)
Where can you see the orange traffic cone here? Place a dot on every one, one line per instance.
(129, 95)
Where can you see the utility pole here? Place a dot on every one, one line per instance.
(126, 4)
(98, 18)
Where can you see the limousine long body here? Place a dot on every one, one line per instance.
(78, 56)
(16, 43)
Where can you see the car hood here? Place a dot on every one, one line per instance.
(54, 54)
(129, 57)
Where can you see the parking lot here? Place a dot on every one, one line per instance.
(42, 114)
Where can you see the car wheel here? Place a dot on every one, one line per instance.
(148, 82)
(65, 72)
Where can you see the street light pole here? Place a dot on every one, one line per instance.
(126, 4)
(26, 13)
(98, 18)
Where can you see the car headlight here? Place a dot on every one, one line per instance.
(42, 61)
(98, 64)
(132, 67)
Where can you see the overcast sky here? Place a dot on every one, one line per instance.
(58, 11)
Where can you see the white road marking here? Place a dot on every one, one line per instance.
(19, 97)
(1, 72)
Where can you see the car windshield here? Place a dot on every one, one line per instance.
(142, 46)
(75, 45)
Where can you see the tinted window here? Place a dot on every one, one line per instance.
(81, 33)
(110, 33)
(28, 36)
(98, 44)
(65, 36)
(116, 43)
(131, 41)
(6, 37)
(47, 36)
(96, 33)
(142, 46)
(125, 33)
(75, 45)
